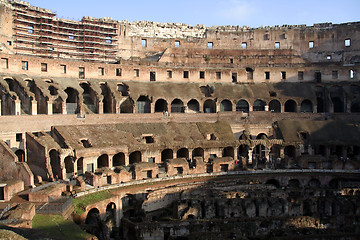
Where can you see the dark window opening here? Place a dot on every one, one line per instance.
(218, 75)
(149, 139)
(19, 137)
(234, 77)
(179, 170)
(202, 74)
(267, 75)
(334, 74)
(250, 73)
(224, 167)
(231, 60)
(118, 72)
(63, 68)
(300, 75)
(283, 75)
(136, 73)
(101, 71)
(81, 72)
(86, 143)
(169, 74)
(43, 67)
(272, 94)
(25, 65)
(149, 173)
(8, 43)
(152, 76)
(267, 36)
(186, 74)
(318, 77)
(283, 36)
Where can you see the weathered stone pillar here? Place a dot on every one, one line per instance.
(267, 108)
(110, 160)
(152, 107)
(218, 107)
(282, 108)
(126, 159)
(315, 109)
(101, 107)
(250, 161)
(50, 107)
(0, 106)
(298, 108)
(64, 109)
(17, 107)
(33, 107)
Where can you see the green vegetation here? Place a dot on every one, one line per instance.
(80, 203)
(56, 227)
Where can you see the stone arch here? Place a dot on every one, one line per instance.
(143, 104)
(103, 161)
(337, 98)
(110, 215)
(166, 154)
(226, 106)
(89, 97)
(182, 153)
(274, 106)
(273, 182)
(242, 106)
(209, 106)
(193, 106)
(338, 105)
(108, 106)
(228, 152)
(119, 159)
(57, 106)
(294, 183)
(161, 105)
(306, 106)
(135, 157)
(259, 154)
(177, 106)
(198, 152)
(290, 151)
(259, 105)
(93, 217)
(72, 101)
(314, 183)
(290, 106)
(127, 106)
(69, 166)
(20, 155)
(55, 163)
(261, 136)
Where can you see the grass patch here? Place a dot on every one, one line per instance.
(56, 227)
(80, 203)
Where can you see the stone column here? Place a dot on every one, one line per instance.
(0, 106)
(17, 107)
(266, 108)
(218, 107)
(152, 107)
(33, 107)
(315, 109)
(64, 110)
(101, 107)
(250, 161)
(49, 107)
(126, 159)
(298, 108)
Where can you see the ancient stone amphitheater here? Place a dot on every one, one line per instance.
(146, 130)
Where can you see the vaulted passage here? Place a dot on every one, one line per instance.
(226, 106)
(259, 105)
(55, 164)
(90, 99)
(135, 157)
(119, 159)
(290, 106)
(72, 101)
(193, 106)
(209, 106)
(274, 106)
(103, 161)
(242, 106)
(306, 106)
(177, 106)
(166, 154)
(143, 104)
(161, 105)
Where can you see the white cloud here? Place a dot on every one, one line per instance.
(236, 10)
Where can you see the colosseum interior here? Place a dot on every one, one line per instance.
(160, 131)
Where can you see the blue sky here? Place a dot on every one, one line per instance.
(253, 13)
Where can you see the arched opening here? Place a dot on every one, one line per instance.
(259, 155)
(107, 98)
(69, 166)
(198, 152)
(274, 106)
(274, 153)
(182, 153)
(20, 155)
(55, 164)
(319, 91)
(242, 106)
(290, 106)
(273, 182)
(226, 106)
(261, 136)
(193, 106)
(103, 161)
(143, 104)
(110, 216)
(89, 97)
(244, 151)
(228, 152)
(135, 157)
(209, 106)
(161, 105)
(80, 166)
(306, 106)
(177, 106)
(93, 217)
(355, 106)
(338, 105)
(72, 101)
(57, 106)
(167, 154)
(127, 106)
(290, 151)
(294, 183)
(119, 159)
(53, 90)
(259, 105)
(314, 183)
